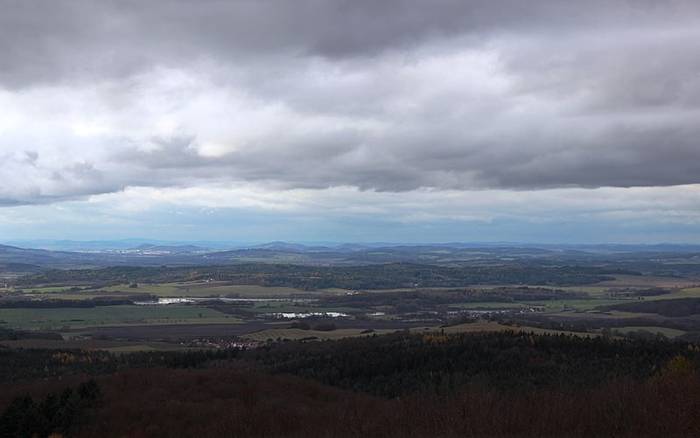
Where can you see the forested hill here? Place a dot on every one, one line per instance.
(386, 276)
(497, 384)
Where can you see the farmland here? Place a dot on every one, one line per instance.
(376, 333)
(67, 318)
(253, 309)
(448, 289)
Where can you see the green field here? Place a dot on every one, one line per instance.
(578, 305)
(592, 316)
(199, 289)
(47, 289)
(69, 318)
(214, 289)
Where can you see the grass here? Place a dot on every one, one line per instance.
(216, 289)
(88, 295)
(46, 289)
(195, 289)
(68, 318)
(578, 305)
(599, 315)
(601, 290)
(286, 306)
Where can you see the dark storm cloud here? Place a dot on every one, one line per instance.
(43, 41)
(387, 95)
(620, 70)
(622, 157)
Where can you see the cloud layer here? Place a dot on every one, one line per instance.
(420, 100)
(378, 95)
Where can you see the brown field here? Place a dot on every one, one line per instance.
(473, 327)
(172, 332)
(647, 281)
(296, 334)
(92, 344)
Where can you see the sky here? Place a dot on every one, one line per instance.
(351, 120)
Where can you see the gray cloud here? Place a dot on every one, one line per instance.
(45, 41)
(391, 95)
(620, 157)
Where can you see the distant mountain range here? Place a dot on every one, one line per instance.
(16, 260)
(114, 245)
(204, 245)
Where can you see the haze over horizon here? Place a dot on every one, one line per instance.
(351, 121)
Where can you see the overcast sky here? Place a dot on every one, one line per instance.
(441, 120)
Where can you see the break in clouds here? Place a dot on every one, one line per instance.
(390, 96)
